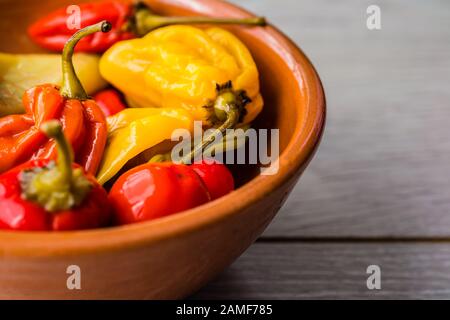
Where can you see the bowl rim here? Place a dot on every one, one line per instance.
(296, 155)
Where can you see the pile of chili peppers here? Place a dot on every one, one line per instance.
(55, 157)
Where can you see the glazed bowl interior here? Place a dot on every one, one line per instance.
(294, 104)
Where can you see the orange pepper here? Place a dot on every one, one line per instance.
(84, 124)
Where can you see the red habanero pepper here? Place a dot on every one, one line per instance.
(128, 21)
(160, 188)
(154, 189)
(41, 195)
(217, 178)
(52, 31)
(110, 101)
(83, 122)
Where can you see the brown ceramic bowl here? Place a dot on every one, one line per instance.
(172, 257)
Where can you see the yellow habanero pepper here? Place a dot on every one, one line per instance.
(186, 67)
(135, 130)
(177, 74)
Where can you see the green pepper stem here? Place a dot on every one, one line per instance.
(53, 129)
(145, 21)
(58, 186)
(71, 86)
(160, 158)
(232, 118)
(229, 107)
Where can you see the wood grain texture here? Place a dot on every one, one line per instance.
(383, 168)
(335, 271)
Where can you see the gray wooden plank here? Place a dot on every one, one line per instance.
(335, 271)
(383, 167)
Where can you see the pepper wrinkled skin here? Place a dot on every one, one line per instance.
(20, 214)
(134, 130)
(52, 31)
(44, 195)
(84, 126)
(180, 67)
(155, 190)
(128, 20)
(83, 121)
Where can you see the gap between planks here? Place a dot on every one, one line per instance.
(354, 240)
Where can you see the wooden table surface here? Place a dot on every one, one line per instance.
(378, 190)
